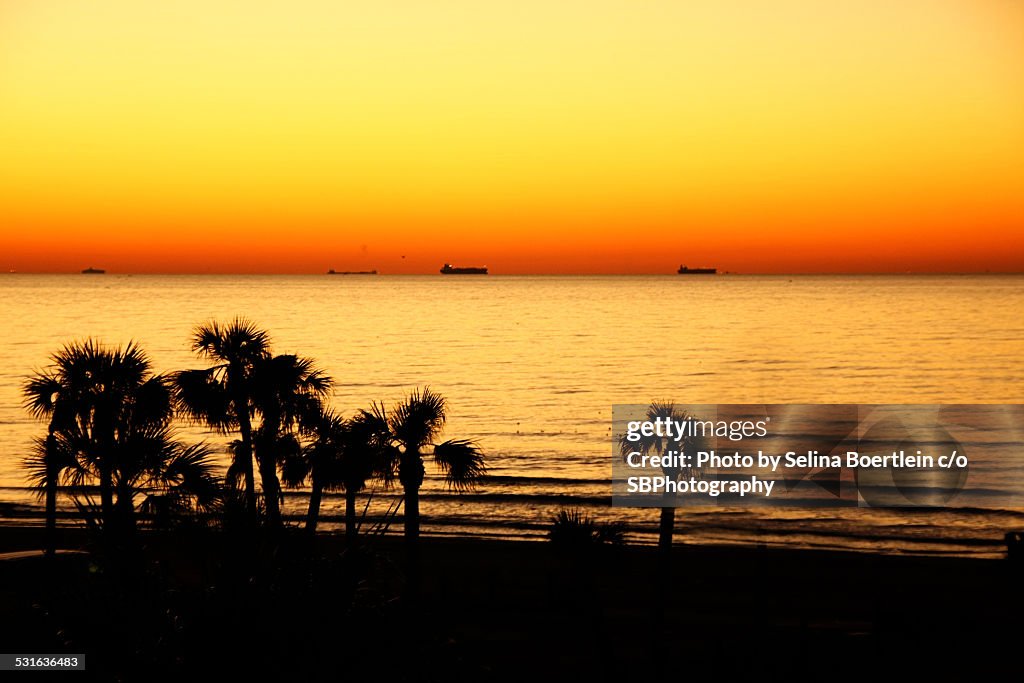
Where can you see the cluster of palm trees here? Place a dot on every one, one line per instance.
(110, 428)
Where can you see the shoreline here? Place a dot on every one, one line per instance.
(29, 536)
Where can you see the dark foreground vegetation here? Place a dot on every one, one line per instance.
(198, 605)
(177, 564)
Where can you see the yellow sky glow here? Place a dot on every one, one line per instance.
(534, 136)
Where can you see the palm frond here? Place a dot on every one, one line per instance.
(289, 390)
(191, 473)
(462, 462)
(286, 445)
(184, 486)
(390, 462)
(206, 339)
(663, 410)
(153, 400)
(419, 418)
(41, 392)
(371, 440)
(234, 477)
(130, 365)
(240, 341)
(201, 398)
(305, 374)
(653, 443)
(37, 465)
(296, 467)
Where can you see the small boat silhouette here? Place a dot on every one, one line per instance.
(93, 271)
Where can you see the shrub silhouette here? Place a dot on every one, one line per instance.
(575, 529)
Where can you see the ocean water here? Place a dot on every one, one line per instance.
(531, 366)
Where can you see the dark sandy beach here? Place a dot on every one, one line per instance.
(496, 610)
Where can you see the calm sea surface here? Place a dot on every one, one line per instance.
(532, 365)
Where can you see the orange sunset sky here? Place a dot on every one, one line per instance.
(534, 136)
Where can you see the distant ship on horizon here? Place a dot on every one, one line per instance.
(93, 271)
(332, 271)
(683, 270)
(449, 269)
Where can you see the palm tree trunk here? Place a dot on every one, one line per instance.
(412, 515)
(265, 443)
(125, 509)
(245, 431)
(271, 490)
(105, 442)
(412, 546)
(107, 499)
(410, 473)
(313, 514)
(350, 515)
(51, 495)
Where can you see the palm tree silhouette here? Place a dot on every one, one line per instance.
(663, 410)
(110, 423)
(96, 386)
(143, 439)
(287, 393)
(415, 422)
(180, 480)
(221, 396)
(344, 455)
(52, 394)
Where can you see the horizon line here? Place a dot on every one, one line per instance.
(518, 274)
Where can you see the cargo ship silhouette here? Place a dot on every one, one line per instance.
(93, 271)
(449, 269)
(683, 270)
(332, 271)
